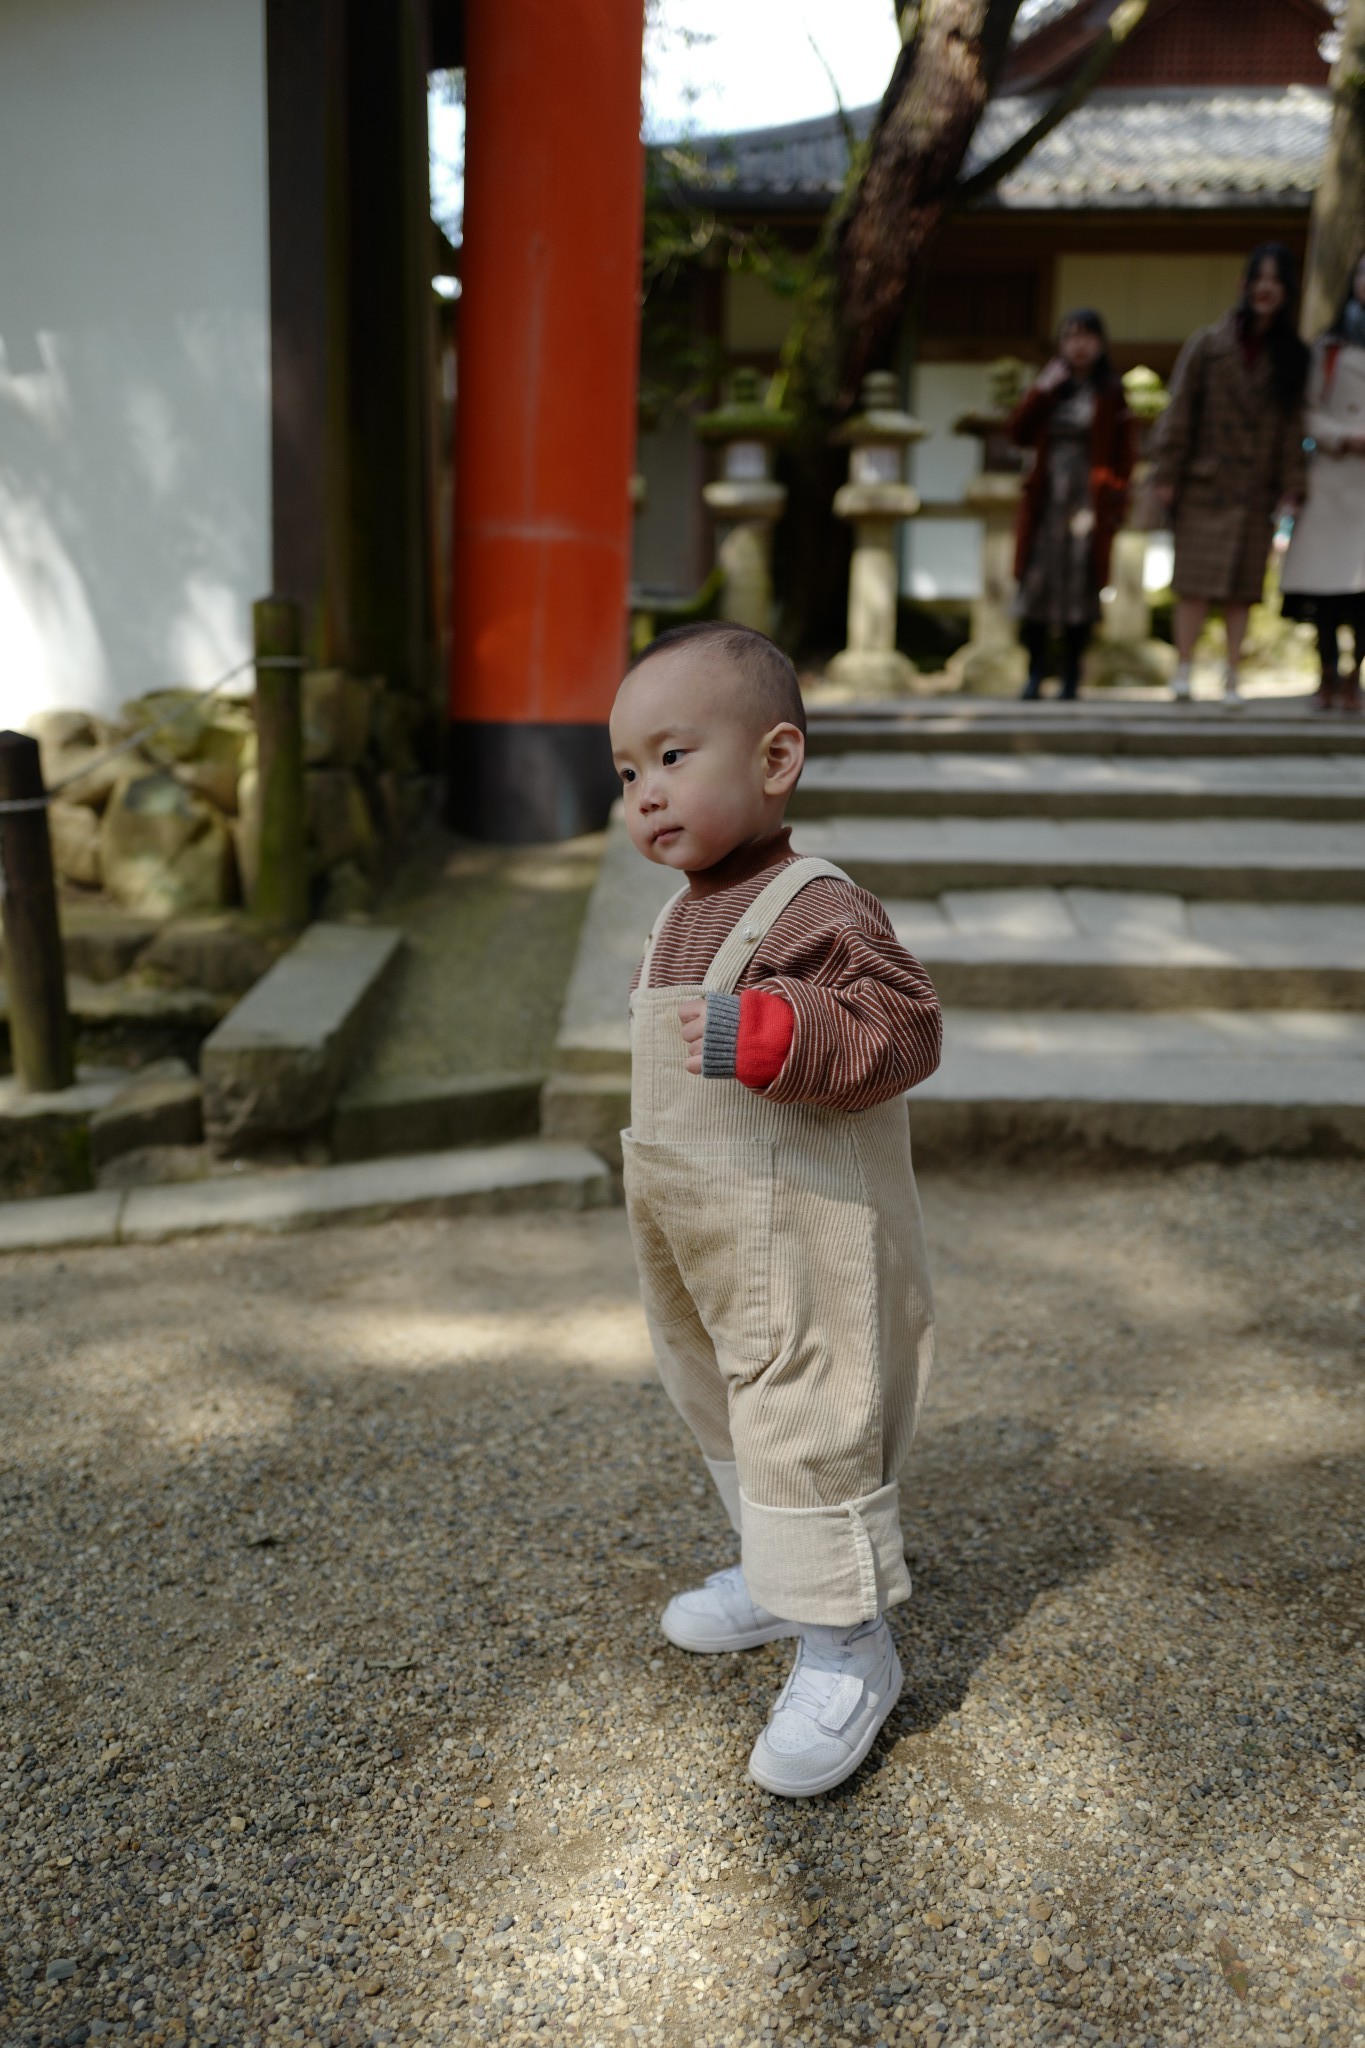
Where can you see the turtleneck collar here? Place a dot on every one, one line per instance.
(743, 863)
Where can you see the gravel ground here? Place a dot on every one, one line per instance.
(332, 1709)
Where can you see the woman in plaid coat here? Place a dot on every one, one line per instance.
(1229, 455)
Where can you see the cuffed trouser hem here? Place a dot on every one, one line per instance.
(832, 1566)
(726, 1477)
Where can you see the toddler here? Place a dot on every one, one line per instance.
(775, 1025)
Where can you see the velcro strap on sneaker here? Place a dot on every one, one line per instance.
(845, 1698)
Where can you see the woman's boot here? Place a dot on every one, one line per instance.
(1329, 690)
(1035, 639)
(1073, 656)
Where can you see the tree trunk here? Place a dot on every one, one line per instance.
(1337, 233)
(937, 94)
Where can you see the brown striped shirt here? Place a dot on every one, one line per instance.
(867, 1021)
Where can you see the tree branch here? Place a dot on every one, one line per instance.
(942, 80)
(1127, 16)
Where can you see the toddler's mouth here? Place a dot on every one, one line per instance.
(666, 835)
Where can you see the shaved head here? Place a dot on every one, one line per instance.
(769, 693)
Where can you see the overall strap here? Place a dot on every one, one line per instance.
(723, 975)
(660, 919)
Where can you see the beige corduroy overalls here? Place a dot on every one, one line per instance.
(784, 1275)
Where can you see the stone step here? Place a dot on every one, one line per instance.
(483, 1180)
(1024, 940)
(1214, 1084)
(988, 725)
(1324, 787)
(275, 1065)
(1270, 860)
(413, 1114)
(1108, 949)
(1172, 1084)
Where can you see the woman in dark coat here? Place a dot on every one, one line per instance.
(1229, 455)
(1076, 420)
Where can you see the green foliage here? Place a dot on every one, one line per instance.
(684, 238)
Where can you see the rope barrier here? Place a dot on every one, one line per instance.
(10, 805)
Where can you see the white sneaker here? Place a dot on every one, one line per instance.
(721, 1616)
(1231, 694)
(844, 1683)
(1180, 684)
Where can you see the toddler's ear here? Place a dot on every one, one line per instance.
(785, 750)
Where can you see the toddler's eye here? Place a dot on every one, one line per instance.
(627, 774)
(671, 755)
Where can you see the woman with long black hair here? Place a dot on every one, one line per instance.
(1324, 571)
(1076, 419)
(1229, 455)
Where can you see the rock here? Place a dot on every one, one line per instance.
(339, 824)
(215, 781)
(226, 955)
(395, 725)
(73, 748)
(57, 730)
(75, 834)
(337, 711)
(100, 944)
(160, 1106)
(60, 1969)
(164, 852)
(405, 803)
(349, 893)
(1041, 1952)
(185, 725)
(1039, 1908)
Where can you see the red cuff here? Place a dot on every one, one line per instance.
(766, 1028)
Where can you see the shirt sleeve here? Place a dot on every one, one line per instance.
(866, 1020)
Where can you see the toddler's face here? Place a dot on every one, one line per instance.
(695, 774)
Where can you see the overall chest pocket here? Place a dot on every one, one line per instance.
(701, 1217)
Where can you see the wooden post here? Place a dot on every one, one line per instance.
(282, 875)
(39, 1027)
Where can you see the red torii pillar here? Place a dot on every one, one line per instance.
(545, 434)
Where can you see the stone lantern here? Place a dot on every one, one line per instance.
(875, 500)
(746, 501)
(993, 662)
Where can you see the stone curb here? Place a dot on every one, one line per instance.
(530, 1174)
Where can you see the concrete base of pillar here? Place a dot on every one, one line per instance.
(1129, 661)
(873, 672)
(990, 669)
(519, 785)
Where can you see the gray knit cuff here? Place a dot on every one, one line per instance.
(720, 1041)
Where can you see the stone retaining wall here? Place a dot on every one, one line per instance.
(168, 828)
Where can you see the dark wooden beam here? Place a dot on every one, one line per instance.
(306, 142)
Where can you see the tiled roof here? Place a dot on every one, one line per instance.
(1171, 147)
(1178, 146)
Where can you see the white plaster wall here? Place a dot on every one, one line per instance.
(941, 558)
(134, 364)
